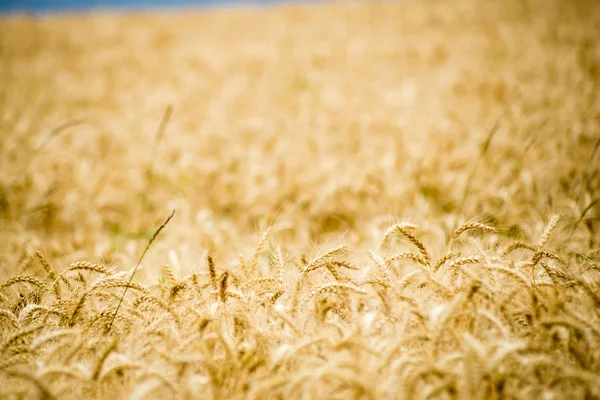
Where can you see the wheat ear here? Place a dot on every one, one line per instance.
(259, 249)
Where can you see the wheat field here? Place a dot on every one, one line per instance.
(384, 200)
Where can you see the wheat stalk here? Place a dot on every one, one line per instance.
(25, 279)
(336, 288)
(471, 226)
(259, 249)
(390, 231)
(548, 231)
(417, 242)
(318, 261)
(160, 228)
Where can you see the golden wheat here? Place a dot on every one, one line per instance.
(292, 148)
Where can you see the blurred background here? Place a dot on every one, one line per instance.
(41, 6)
(341, 118)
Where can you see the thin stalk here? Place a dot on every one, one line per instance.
(137, 266)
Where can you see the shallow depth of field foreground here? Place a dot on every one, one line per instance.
(386, 200)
